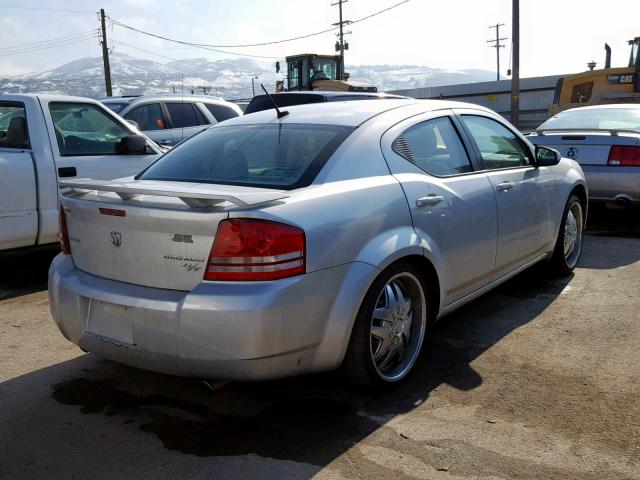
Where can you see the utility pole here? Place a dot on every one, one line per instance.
(515, 77)
(497, 45)
(341, 46)
(105, 55)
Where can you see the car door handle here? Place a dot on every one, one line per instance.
(429, 201)
(165, 142)
(504, 186)
(66, 172)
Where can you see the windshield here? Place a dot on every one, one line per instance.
(595, 118)
(116, 107)
(283, 156)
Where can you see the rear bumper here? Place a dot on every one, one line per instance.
(227, 330)
(607, 184)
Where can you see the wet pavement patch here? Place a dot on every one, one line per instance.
(311, 430)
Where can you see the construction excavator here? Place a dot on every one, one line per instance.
(311, 71)
(603, 86)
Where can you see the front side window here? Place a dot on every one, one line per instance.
(13, 125)
(499, 147)
(85, 129)
(435, 147)
(184, 115)
(281, 156)
(148, 117)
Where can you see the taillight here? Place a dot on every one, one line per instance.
(624, 156)
(63, 232)
(249, 249)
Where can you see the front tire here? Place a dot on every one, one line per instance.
(389, 330)
(569, 242)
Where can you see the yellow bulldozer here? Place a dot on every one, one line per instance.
(311, 71)
(596, 87)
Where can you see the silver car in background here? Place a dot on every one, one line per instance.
(328, 235)
(169, 119)
(605, 141)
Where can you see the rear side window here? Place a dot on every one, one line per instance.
(13, 125)
(499, 147)
(85, 129)
(116, 107)
(184, 115)
(221, 112)
(283, 156)
(148, 117)
(435, 147)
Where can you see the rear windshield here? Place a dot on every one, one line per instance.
(596, 118)
(283, 156)
(115, 107)
(262, 102)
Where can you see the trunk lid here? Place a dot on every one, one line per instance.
(151, 233)
(585, 147)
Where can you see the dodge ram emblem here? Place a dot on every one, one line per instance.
(116, 239)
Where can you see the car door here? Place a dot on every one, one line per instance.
(522, 190)
(186, 119)
(152, 122)
(87, 136)
(452, 205)
(18, 189)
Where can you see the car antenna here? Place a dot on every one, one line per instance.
(282, 113)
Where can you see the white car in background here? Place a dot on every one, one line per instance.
(169, 119)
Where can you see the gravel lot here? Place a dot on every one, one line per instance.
(538, 379)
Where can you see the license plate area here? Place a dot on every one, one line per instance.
(110, 322)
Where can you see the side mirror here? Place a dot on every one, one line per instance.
(132, 145)
(547, 157)
(133, 123)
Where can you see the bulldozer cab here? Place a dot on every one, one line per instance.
(603, 86)
(303, 70)
(311, 71)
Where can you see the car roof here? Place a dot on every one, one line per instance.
(604, 106)
(163, 97)
(47, 97)
(328, 94)
(348, 113)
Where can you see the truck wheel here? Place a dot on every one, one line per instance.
(569, 242)
(389, 329)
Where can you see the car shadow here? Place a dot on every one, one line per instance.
(614, 235)
(24, 271)
(311, 419)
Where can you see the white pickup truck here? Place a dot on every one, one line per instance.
(47, 137)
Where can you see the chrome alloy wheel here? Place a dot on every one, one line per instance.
(573, 234)
(398, 325)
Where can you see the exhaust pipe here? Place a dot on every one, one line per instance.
(607, 57)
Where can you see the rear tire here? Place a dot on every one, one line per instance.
(389, 329)
(569, 242)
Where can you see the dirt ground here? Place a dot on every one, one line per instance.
(537, 379)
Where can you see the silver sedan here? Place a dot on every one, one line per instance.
(327, 236)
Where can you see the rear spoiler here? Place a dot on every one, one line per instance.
(193, 196)
(611, 131)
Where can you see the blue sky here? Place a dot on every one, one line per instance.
(558, 36)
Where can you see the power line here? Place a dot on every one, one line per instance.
(52, 45)
(22, 7)
(120, 24)
(258, 44)
(380, 12)
(43, 42)
(497, 45)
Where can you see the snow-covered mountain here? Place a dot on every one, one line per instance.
(228, 78)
